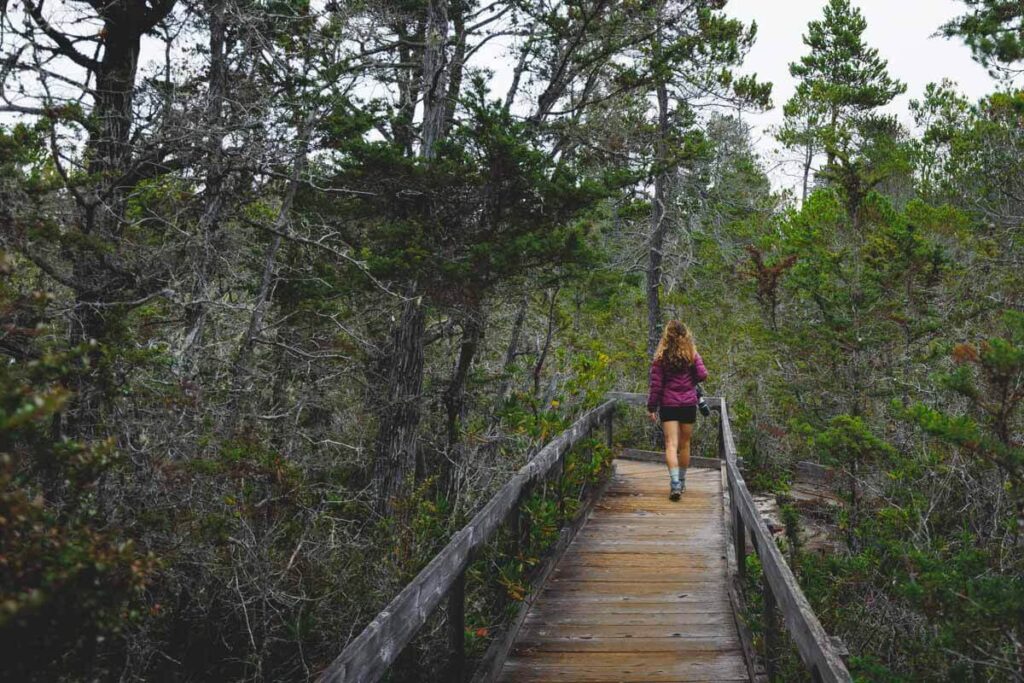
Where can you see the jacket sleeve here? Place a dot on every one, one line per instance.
(699, 370)
(657, 386)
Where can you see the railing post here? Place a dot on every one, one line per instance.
(560, 484)
(608, 420)
(770, 627)
(738, 537)
(721, 433)
(457, 629)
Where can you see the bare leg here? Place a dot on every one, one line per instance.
(671, 430)
(685, 433)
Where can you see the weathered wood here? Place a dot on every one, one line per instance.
(494, 659)
(609, 423)
(541, 615)
(813, 472)
(624, 667)
(659, 457)
(714, 402)
(771, 634)
(812, 642)
(367, 657)
(742, 629)
(739, 541)
(457, 629)
(634, 584)
(651, 540)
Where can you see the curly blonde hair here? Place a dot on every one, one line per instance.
(676, 349)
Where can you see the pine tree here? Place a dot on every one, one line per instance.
(841, 80)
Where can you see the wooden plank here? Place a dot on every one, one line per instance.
(457, 629)
(706, 574)
(653, 592)
(652, 617)
(721, 633)
(659, 457)
(597, 667)
(683, 646)
(604, 561)
(637, 583)
(755, 673)
(614, 605)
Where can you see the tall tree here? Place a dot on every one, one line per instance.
(839, 81)
(95, 257)
(688, 63)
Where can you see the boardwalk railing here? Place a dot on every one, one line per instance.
(821, 654)
(368, 656)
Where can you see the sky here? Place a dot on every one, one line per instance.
(902, 31)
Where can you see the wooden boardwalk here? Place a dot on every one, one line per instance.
(641, 594)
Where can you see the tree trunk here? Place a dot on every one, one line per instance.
(542, 353)
(435, 72)
(242, 367)
(196, 310)
(401, 367)
(511, 353)
(808, 158)
(100, 216)
(457, 67)
(659, 225)
(473, 325)
(400, 370)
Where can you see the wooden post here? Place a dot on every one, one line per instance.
(721, 434)
(522, 527)
(771, 635)
(739, 539)
(457, 629)
(560, 484)
(608, 420)
(513, 525)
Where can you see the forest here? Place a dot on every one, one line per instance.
(289, 289)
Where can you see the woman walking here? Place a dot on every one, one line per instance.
(676, 370)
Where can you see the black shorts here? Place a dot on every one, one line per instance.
(686, 414)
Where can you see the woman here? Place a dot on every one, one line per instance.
(675, 372)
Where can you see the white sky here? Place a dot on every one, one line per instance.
(902, 31)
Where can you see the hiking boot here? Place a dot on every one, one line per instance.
(677, 490)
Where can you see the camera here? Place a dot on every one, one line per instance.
(702, 405)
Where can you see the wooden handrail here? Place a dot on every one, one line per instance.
(368, 656)
(819, 653)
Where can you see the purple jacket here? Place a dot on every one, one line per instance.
(675, 388)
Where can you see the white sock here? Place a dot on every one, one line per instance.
(673, 472)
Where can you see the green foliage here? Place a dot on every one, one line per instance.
(840, 81)
(535, 213)
(67, 580)
(848, 439)
(994, 30)
(841, 73)
(989, 377)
